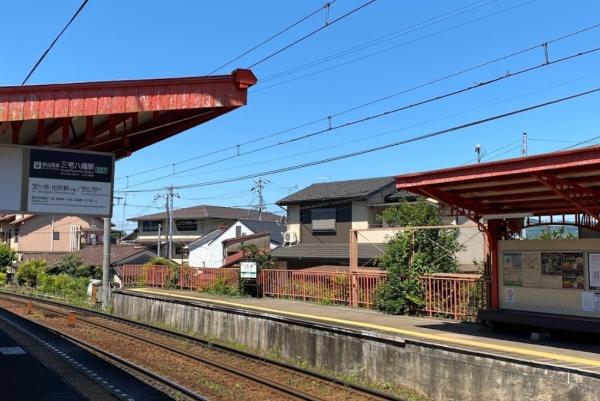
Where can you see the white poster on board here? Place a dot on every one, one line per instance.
(532, 269)
(509, 295)
(594, 270)
(587, 301)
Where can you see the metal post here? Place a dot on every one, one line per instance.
(524, 145)
(106, 265)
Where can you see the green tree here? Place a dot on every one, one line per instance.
(73, 266)
(264, 259)
(7, 256)
(413, 253)
(552, 234)
(28, 273)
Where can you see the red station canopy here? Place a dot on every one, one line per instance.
(116, 116)
(558, 183)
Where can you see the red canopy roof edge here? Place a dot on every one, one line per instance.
(520, 165)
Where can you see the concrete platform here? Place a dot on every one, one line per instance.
(468, 337)
(37, 364)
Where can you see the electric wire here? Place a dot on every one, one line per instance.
(265, 41)
(354, 108)
(308, 35)
(45, 53)
(382, 147)
(378, 115)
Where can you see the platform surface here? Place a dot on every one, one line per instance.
(465, 336)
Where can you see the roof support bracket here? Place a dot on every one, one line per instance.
(584, 199)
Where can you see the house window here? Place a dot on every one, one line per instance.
(180, 250)
(150, 226)
(323, 219)
(16, 236)
(56, 236)
(238, 231)
(186, 225)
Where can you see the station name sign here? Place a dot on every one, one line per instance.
(56, 181)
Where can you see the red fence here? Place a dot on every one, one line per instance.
(457, 296)
(451, 295)
(189, 277)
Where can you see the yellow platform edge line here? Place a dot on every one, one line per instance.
(411, 333)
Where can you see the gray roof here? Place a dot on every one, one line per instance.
(208, 238)
(351, 189)
(211, 212)
(327, 251)
(275, 228)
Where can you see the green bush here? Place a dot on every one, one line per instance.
(63, 285)
(28, 272)
(72, 265)
(2, 279)
(222, 287)
(7, 256)
(411, 254)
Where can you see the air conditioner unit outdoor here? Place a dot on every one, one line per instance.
(289, 238)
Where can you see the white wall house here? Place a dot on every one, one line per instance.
(208, 251)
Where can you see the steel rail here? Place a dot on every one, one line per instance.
(366, 392)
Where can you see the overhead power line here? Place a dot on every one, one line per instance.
(237, 147)
(379, 115)
(261, 87)
(301, 20)
(308, 35)
(45, 53)
(381, 147)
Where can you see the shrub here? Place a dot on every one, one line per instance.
(28, 272)
(72, 265)
(7, 256)
(2, 278)
(222, 287)
(63, 285)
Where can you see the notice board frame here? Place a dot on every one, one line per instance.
(25, 180)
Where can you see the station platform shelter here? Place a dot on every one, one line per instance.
(553, 284)
(118, 117)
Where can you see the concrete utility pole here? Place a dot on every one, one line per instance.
(159, 239)
(170, 214)
(106, 265)
(524, 145)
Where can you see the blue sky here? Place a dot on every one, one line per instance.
(146, 39)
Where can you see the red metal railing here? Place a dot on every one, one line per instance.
(456, 296)
(325, 287)
(189, 277)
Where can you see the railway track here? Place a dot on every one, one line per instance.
(278, 379)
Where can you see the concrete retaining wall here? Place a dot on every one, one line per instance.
(442, 373)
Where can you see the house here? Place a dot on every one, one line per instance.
(46, 233)
(92, 256)
(191, 224)
(320, 218)
(215, 248)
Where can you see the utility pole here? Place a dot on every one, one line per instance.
(259, 186)
(106, 264)
(170, 196)
(524, 145)
(159, 240)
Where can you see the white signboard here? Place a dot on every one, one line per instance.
(248, 270)
(55, 181)
(11, 178)
(587, 301)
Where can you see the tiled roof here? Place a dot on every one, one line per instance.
(327, 251)
(208, 238)
(214, 212)
(351, 189)
(91, 256)
(274, 228)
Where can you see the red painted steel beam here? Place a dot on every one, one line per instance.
(571, 193)
(464, 206)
